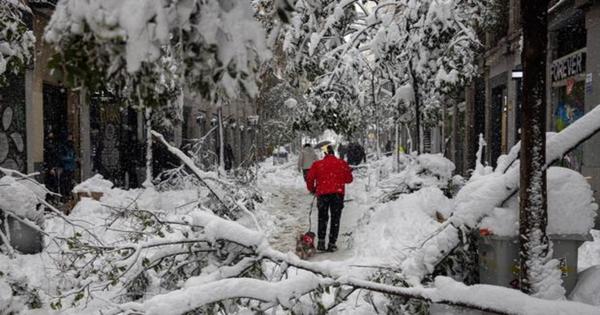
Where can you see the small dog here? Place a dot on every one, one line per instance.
(305, 245)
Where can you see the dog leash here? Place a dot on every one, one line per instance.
(310, 213)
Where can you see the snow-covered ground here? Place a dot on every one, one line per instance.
(289, 204)
(374, 235)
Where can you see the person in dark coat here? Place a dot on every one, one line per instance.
(388, 148)
(68, 161)
(356, 154)
(342, 151)
(327, 179)
(228, 157)
(51, 163)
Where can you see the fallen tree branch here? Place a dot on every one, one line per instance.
(198, 292)
(189, 163)
(479, 197)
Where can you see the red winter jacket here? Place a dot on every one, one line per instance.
(329, 175)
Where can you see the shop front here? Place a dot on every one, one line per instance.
(116, 152)
(568, 98)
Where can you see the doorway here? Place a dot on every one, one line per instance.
(496, 123)
(56, 133)
(55, 120)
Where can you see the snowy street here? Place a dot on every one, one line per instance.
(174, 157)
(375, 236)
(289, 203)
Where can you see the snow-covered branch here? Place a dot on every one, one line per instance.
(16, 40)
(226, 284)
(134, 44)
(483, 193)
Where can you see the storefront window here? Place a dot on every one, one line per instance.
(569, 107)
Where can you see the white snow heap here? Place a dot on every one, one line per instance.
(437, 164)
(429, 170)
(571, 207)
(21, 198)
(482, 194)
(381, 237)
(587, 289)
(96, 183)
(290, 103)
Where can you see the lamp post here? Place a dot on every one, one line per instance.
(253, 125)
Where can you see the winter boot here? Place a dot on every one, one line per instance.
(321, 245)
(332, 248)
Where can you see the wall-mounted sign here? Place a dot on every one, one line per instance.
(588, 83)
(568, 66)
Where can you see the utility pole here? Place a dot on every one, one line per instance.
(535, 249)
(417, 100)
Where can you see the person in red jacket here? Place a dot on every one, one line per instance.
(327, 179)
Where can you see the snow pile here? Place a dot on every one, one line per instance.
(587, 289)
(97, 183)
(589, 252)
(425, 170)
(21, 198)
(436, 164)
(571, 207)
(508, 300)
(21, 280)
(399, 225)
(285, 292)
(6, 298)
(147, 199)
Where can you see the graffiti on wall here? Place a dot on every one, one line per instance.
(568, 109)
(12, 125)
(105, 122)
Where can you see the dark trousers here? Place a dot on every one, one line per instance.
(51, 182)
(66, 183)
(305, 173)
(330, 204)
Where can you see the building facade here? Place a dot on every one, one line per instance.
(239, 120)
(35, 105)
(573, 84)
(40, 113)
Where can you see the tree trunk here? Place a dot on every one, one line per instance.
(535, 249)
(397, 147)
(376, 109)
(148, 116)
(443, 131)
(221, 141)
(417, 115)
(454, 138)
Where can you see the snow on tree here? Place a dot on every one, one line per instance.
(434, 44)
(16, 40)
(486, 190)
(303, 39)
(216, 45)
(428, 45)
(279, 107)
(539, 274)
